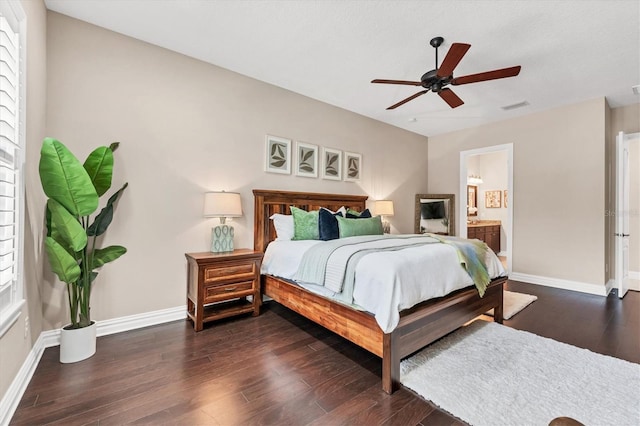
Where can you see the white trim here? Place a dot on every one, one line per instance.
(132, 322)
(599, 290)
(122, 324)
(634, 280)
(462, 207)
(9, 316)
(50, 338)
(13, 12)
(14, 393)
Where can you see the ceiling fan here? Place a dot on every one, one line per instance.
(437, 79)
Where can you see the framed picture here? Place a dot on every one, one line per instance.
(331, 164)
(352, 166)
(505, 198)
(492, 199)
(277, 155)
(306, 160)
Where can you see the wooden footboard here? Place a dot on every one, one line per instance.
(433, 319)
(418, 326)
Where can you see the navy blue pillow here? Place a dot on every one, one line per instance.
(364, 214)
(328, 225)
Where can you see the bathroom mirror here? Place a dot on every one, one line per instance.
(435, 213)
(472, 200)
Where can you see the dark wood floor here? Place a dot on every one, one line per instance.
(281, 369)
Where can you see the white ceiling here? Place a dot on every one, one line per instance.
(330, 50)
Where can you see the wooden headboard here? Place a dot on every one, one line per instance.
(268, 202)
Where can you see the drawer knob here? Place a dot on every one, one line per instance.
(231, 289)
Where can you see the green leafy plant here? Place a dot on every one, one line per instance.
(74, 190)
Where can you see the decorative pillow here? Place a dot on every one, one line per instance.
(354, 227)
(364, 214)
(284, 226)
(305, 224)
(328, 224)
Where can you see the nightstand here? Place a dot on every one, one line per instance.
(218, 285)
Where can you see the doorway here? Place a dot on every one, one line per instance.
(494, 199)
(627, 222)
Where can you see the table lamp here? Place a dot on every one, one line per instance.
(223, 205)
(383, 208)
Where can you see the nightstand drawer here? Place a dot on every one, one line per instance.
(236, 272)
(217, 292)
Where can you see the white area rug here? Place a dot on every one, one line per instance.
(514, 302)
(490, 374)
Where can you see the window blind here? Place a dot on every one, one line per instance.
(10, 169)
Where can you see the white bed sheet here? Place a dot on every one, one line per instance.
(387, 282)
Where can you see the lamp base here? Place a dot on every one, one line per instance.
(386, 227)
(222, 239)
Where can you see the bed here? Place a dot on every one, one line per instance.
(417, 327)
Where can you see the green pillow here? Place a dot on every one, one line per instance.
(305, 224)
(354, 227)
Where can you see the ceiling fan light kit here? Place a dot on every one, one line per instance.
(437, 79)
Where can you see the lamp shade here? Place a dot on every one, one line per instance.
(222, 204)
(383, 208)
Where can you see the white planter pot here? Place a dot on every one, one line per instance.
(77, 344)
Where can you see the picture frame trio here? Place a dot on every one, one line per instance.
(311, 160)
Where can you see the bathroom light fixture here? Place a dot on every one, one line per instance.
(474, 180)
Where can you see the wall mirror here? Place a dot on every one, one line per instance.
(472, 200)
(435, 213)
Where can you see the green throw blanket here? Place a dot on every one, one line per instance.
(471, 254)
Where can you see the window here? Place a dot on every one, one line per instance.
(11, 162)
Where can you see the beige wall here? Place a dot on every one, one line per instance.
(559, 191)
(626, 119)
(186, 127)
(15, 344)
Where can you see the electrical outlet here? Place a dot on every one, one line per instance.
(26, 327)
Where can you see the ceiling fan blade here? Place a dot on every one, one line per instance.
(451, 98)
(453, 58)
(408, 83)
(404, 101)
(489, 75)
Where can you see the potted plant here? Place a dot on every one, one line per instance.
(74, 190)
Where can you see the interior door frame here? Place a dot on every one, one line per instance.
(462, 194)
(621, 228)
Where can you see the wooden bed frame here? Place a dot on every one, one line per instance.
(419, 326)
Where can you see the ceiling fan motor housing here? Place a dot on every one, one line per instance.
(431, 81)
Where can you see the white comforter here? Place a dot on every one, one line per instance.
(387, 282)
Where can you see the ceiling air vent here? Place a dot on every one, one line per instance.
(514, 106)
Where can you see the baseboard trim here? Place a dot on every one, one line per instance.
(12, 397)
(50, 338)
(600, 290)
(634, 282)
(611, 284)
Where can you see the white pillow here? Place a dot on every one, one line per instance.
(284, 226)
(342, 210)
